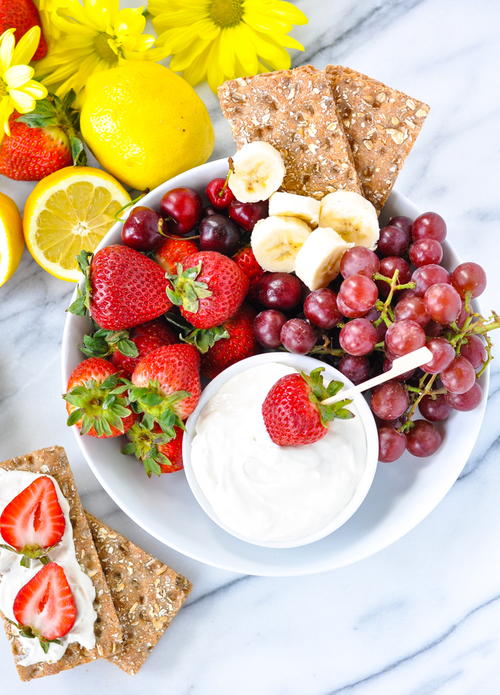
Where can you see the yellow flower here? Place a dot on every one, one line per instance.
(91, 37)
(218, 40)
(18, 92)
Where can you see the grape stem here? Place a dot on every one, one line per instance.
(424, 389)
(326, 349)
(386, 311)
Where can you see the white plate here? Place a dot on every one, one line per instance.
(402, 494)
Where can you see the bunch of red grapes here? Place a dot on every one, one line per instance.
(383, 305)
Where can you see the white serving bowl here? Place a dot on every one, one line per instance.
(360, 408)
(401, 496)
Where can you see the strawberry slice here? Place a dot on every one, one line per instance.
(33, 522)
(44, 607)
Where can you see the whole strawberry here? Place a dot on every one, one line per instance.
(246, 261)
(22, 15)
(95, 400)
(209, 288)
(173, 251)
(126, 348)
(43, 141)
(293, 412)
(159, 452)
(167, 386)
(123, 288)
(239, 344)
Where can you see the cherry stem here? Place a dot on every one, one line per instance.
(226, 182)
(127, 205)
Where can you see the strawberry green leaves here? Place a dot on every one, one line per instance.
(318, 392)
(29, 553)
(31, 633)
(144, 445)
(102, 343)
(80, 306)
(156, 407)
(99, 405)
(186, 289)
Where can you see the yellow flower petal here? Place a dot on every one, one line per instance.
(6, 110)
(289, 12)
(130, 21)
(23, 102)
(37, 90)
(26, 46)
(17, 75)
(6, 49)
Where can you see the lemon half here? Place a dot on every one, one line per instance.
(11, 238)
(67, 212)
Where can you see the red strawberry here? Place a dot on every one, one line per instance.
(123, 288)
(293, 413)
(158, 451)
(44, 607)
(146, 337)
(246, 261)
(172, 251)
(43, 141)
(22, 15)
(241, 343)
(209, 290)
(167, 385)
(33, 521)
(95, 400)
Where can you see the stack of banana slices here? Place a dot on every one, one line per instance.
(301, 234)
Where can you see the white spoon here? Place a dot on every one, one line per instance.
(400, 365)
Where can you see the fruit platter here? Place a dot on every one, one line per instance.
(403, 493)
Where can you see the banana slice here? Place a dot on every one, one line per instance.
(292, 205)
(258, 172)
(351, 216)
(318, 261)
(276, 240)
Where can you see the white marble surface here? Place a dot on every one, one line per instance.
(422, 616)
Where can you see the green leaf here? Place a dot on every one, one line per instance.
(75, 416)
(25, 561)
(205, 338)
(78, 154)
(127, 347)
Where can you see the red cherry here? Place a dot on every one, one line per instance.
(182, 207)
(219, 194)
(248, 214)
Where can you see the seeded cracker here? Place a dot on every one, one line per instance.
(53, 461)
(381, 125)
(147, 594)
(293, 110)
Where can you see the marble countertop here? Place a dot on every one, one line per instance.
(422, 616)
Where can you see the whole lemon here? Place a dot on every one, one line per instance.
(145, 124)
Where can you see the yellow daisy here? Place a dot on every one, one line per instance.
(218, 40)
(92, 35)
(18, 91)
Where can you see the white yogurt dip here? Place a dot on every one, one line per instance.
(13, 577)
(260, 491)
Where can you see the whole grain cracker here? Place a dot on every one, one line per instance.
(147, 594)
(381, 124)
(293, 110)
(53, 461)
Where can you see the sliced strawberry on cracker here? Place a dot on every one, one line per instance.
(33, 522)
(293, 411)
(44, 608)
